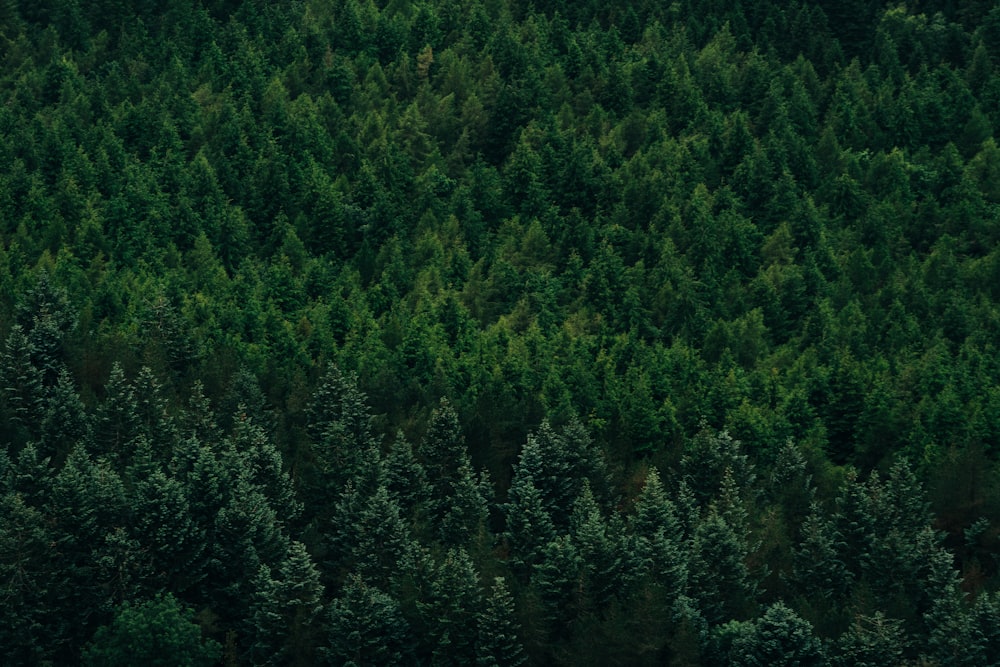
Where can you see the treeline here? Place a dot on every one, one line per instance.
(640, 230)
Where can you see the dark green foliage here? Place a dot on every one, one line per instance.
(285, 609)
(365, 627)
(749, 247)
(499, 644)
(778, 637)
(871, 641)
(157, 632)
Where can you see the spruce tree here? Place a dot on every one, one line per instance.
(499, 644)
(779, 638)
(871, 641)
(21, 386)
(529, 527)
(284, 610)
(365, 627)
(719, 579)
(64, 421)
(117, 420)
(157, 632)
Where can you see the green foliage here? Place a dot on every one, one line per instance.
(158, 632)
(710, 290)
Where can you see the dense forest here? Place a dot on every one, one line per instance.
(499, 333)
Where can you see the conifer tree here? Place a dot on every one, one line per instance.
(260, 457)
(599, 550)
(529, 527)
(405, 477)
(557, 578)
(64, 421)
(117, 420)
(465, 520)
(452, 610)
(719, 579)
(163, 524)
(369, 536)
(284, 610)
(341, 429)
(659, 538)
(871, 641)
(499, 644)
(21, 386)
(442, 451)
(779, 637)
(817, 569)
(157, 632)
(365, 626)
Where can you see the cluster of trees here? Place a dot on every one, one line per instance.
(689, 311)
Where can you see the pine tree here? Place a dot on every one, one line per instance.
(659, 538)
(260, 457)
(719, 579)
(27, 569)
(248, 534)
(405, 478)
(117, 419)
(818, 571)
(163, 524)
(157, 632)
(465, 521)
(599, 550)
(871, 641)
(155, 422)
(365, 627)
(21, 386)
(442, 451)
(244, 396)
(284, 610)
(778, 638)
(47, 317)
(451, 611)
(341, 430)
(32, 476)
(368, 537)
(529, 527)
(64, 422)
(953, 636)
(557, 576)
(498, 644)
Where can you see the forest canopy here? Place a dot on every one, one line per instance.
(499, 332)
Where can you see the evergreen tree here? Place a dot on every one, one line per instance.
(442, 451)
(157, 632)
(365, 627)
(719, 579)
(452, 610)
(117, 420)
(871, 641)
(285, 609)
(498, 644)
(21, 385)
(64, 422)
(259, 456)
(405, 477)
(659, 539)
(369, 536)
(529, 527)
(779, 637)
(599, 550)
(164, 524)
(465, 521)
(817, 570)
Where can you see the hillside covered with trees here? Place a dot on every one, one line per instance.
(499, 332)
